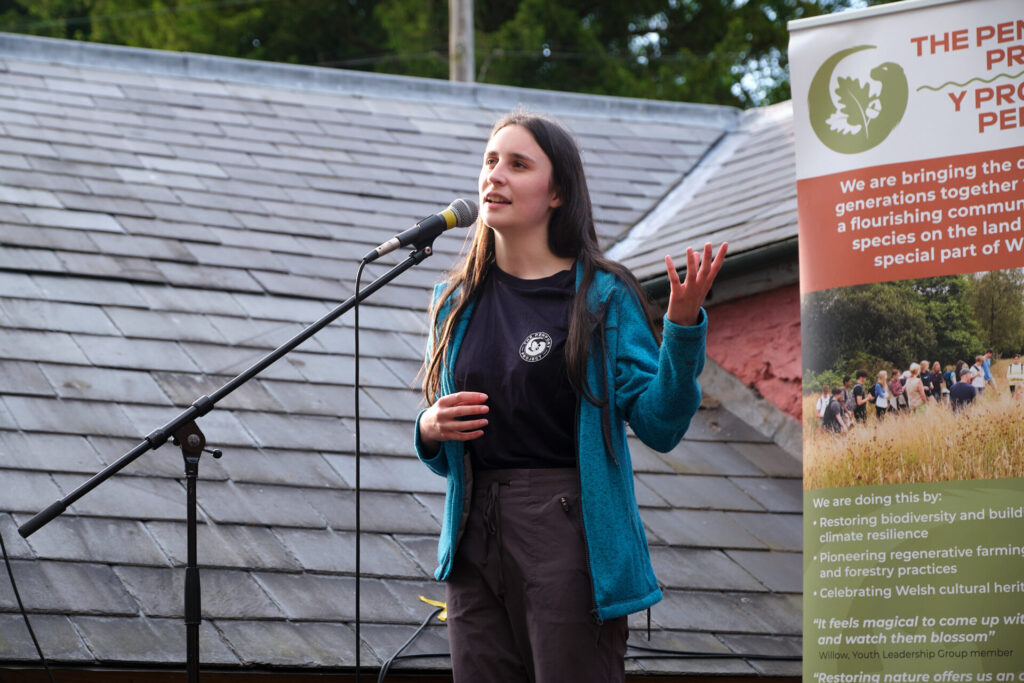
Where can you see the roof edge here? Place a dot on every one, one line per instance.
(329, 80)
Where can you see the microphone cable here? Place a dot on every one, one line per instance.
(21, 607)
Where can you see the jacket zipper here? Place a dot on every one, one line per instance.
(583, 519)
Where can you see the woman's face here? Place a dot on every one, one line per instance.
(516, 187)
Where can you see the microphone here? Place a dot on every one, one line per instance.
(461, 213)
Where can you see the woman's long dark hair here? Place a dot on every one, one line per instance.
(571, 234)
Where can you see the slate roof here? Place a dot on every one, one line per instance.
(167, 219)
(743, 191)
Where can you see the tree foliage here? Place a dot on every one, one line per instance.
(891, 323)
(997, 298)
(710, 51)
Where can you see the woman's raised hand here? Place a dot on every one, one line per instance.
(686, 297)
(451, 418)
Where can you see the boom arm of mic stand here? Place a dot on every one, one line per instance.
(205, 404)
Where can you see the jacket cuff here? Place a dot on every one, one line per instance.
(696, 331)
(422, 452)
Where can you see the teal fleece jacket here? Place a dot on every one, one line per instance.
(653, 389)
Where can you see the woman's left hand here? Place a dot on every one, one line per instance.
(686, 297)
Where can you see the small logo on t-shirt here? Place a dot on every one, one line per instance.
(535, 347)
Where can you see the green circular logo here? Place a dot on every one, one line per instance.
(860, 112)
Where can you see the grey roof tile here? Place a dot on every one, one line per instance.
(298, 432)
(149, 640)
(61, 317)
(702, 570)
(76, 168)
(291, 643)
(334, 551)
(321, 399)
(97, 384)
(68, 416)
(294, 468)
(79, 220)
(135, 354)
(37, 259)
(332, 369)
(384, 437)
(777, 531)
(207, 277)
(25, 492)
(183, 390)
(422, 548)
(128, 497)
(267, 334)
(224, 545)
(100, 204)
(17, 377)
(225, 593)
(708, 457)
(710, 611)
(85, 539)
(405, 473)
(8, 160)
(23, 345)
(387, 639)
(159, 180)
(99, 265)
(700, 528)
(312, 597)
(17, 547)
(397, 403)
(770, 459)
(777, 495)
(395, 513)
(165, 325)
(318, 288)
(57, 638)
(721, 425)
(168, 228)
(231, 361)
(700, 492)
(86, 290)
(188, 300)
(56, 452)
(66, 587)
(251, 503)
(143, 247)
(646, 497)
(771, 646)
(780, 572)
(645, 459)
(192, 214)
(222, 428)
(51, 182)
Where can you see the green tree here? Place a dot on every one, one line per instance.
(884, 322)
(714, 51)
(948, 312)
(997, 298)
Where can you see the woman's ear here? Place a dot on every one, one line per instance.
(556, 198)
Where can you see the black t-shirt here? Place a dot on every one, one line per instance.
(832, 415)
(858, 392)
(514, 351)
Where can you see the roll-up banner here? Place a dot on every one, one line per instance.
(909, 131)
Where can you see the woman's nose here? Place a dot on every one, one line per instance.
(496, 174)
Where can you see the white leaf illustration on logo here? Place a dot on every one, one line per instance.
(840, 124)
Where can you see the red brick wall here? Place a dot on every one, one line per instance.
(757, 338)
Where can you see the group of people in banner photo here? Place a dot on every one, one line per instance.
(911, 391)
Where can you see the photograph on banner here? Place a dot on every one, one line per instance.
(909, 136)
(899, 388)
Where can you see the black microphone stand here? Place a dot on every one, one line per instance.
(186, 434)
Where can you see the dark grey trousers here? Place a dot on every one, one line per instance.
(520, 601)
